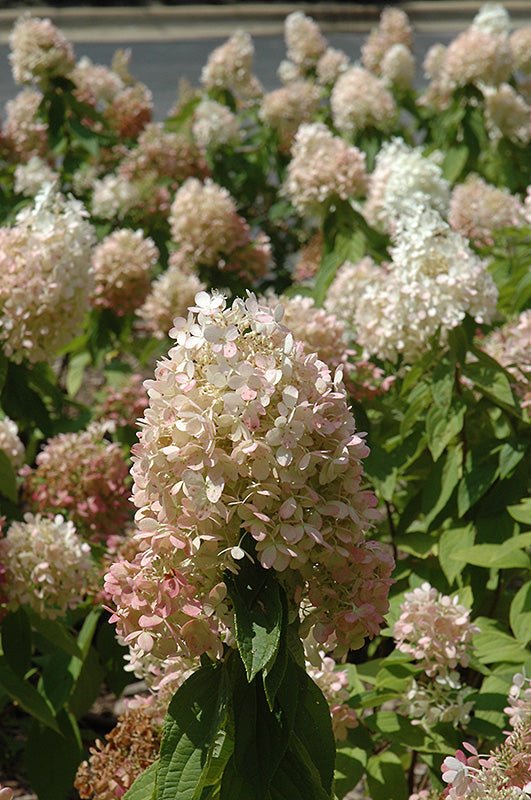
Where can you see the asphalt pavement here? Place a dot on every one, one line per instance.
(161, 65)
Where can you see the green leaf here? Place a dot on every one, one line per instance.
(16, 641)
(449, 543)
(87, 684)
(188, 733)
(76, 372)
(478, 477)
(521, 512)
(454, 162)
(111, 655)
(144, 786)
(385, 770)
(520, 614)
(52, 758)
(26, 695)
(313, 727)
(493, 556)
(493, 646)
(351, 762)
(258, 615)
(442, 425)
(440, 484)
(8, 478)
(55, 633)
(491, 380)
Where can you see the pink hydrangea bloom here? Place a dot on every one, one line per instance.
(124, 404)
(334, 684)
(435, 630)
(323, 167)
(96, 84)
(520, 42)
(331, 65)
(286, 108)
(247, 436)
(130, 111)
(507, 113)
(121, 264)
(84, 475)
(163, 155)
(519, 708)
(24, 132)
(509, 345)
(477, 56)
(477, 209)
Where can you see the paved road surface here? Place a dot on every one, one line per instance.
(160, 65)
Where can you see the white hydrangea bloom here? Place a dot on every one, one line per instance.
(114, 196)
(434, 280)
(10, 444)
(30, 178)
(48, 565)
(214, 125)
(403, 177)
(304, 41)
(46, 276)
(398, 66)
(492, 18)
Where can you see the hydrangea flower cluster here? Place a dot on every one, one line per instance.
(502, 774)
(39, 51)
(122, 263)
(520, 42)
(114, 196)
(331, 65)
(435, 630)
(229, 67)
(215, 125)
(286, 108)
(23, 131)
(323, 167)
(317, 330)
(130, 111)
(129, 749)
(304, 41)
(48, 566)
(344, 297)
(477, 209)
(10, 443)
(209, 231)
(398, 67)
(170, 296)
(519, 708)
(124, 404)
(403, 179)
(84, 475)
(443, 699)
(492, 18)
(360, 100)
(162, 155)
(508, 114)
(31, 177)
(434, 279)
(247, 439)
(45, 264)
(476, 57)
(509, 345)
(96, 84)
(393, 28)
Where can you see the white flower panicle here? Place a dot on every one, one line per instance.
(229, 67)
(39, 51)
(248, 443)
(286, 108)
(46, 276)
(114, 196)
(360, 100)
(170, 296)
(507, 114)
(346, 290)
(10, 443)
(492, 18)
(48, 566)
(404, 178)
(215, 125)
(304, 41)
(31, 177)
(322, 167)
(520, 42)
(477, 209)
(398, 67)
(433, 281)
